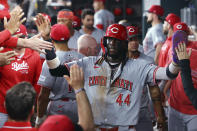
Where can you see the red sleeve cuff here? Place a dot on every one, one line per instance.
(4, 35)
(11, 43)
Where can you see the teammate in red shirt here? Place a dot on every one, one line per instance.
(26, 67)
(182, 114)
(169, 22)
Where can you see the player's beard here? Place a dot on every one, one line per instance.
(90, 27)
(150, 21)
(165, 32)
(118, 55)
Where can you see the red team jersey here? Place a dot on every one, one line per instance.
(27, 68)
(17, 126)
(178, 99)
(164, 52)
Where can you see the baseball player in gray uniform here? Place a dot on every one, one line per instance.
(145, 121)
(102, 18)
(154, 38)
(56, 90)
(112, 80)
(87, 17)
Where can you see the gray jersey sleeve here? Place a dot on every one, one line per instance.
(97, 19)
(151, 74)
(79, 62)
(45, 79)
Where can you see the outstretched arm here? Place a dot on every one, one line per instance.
(42, 102)
(186, 77)
(156, 98)
(76, 80)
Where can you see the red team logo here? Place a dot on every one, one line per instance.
(131, 30)
(179, 27)
(114, 30)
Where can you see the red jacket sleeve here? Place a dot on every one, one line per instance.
(11, 43)
(4, 35)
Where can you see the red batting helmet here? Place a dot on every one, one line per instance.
(132, 31)
(181, 26)
(116, 31)
(172, 19)
(157, 9)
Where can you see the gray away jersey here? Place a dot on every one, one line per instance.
(58, 85)
(145, 96)
(116, 101)
(72, 43)
(153, 37)
(103, 17)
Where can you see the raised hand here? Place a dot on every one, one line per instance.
(76, 79)
(181, 51)
(6, 57)
(35, 43)
(44, 26)
(15, 20)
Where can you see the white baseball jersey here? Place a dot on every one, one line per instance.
(103, 17)
(72, 43)
(116, 100)
(153, 37)
(97, 34)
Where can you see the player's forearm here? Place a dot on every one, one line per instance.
(4, 35)
(84, 112)
(43, 100)
(167, 73)
(53, 62)
(156, 98)
(188, 86)
(157, 52)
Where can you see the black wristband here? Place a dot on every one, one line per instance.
(50, 54)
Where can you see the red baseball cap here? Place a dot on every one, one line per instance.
(58, 123)
(65, 14)
(22, 29)
(60, 32)
(47, 16)
(156, 9)
(172, 19)
(181, 26)
(4, 12)
(76, 21)
(101, 0)
(132, 31)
